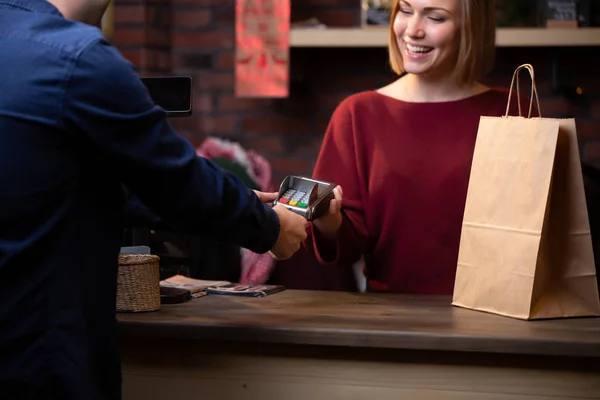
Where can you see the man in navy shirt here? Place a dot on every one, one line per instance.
(76, 125)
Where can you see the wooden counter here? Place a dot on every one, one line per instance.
(333, 345)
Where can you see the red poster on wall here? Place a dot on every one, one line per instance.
(262, 48)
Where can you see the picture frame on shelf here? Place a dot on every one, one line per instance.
(567, 13)
(376, 12)
(561, 14)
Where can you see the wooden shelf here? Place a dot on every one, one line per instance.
(506, 37)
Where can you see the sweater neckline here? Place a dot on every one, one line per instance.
(447, 102)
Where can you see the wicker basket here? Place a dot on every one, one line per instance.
(138, 284)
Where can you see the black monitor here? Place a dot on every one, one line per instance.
(172, 93)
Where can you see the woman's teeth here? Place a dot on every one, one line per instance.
(418, 49)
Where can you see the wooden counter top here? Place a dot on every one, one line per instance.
(363, 320)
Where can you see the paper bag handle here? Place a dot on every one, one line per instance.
(534, 93)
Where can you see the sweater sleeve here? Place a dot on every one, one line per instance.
(112, 110)
(338, 163)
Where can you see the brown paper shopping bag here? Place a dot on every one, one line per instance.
(525, 248)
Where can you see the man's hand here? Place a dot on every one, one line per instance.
(292, 232)
(266, 197)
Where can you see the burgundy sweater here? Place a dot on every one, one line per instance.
(404, 169)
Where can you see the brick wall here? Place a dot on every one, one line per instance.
(196, 37)
(142, 31)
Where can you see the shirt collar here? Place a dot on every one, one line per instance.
(42, 6)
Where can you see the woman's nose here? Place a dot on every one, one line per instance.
(414, 27)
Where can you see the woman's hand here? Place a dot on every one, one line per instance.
(329, 223)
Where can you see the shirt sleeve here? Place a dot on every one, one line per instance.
(111, 108)
(338, 163)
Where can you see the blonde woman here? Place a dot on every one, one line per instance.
(402, 154)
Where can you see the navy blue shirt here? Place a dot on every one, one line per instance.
(76, 125)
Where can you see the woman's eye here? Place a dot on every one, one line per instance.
(404, 11)
(437, 19)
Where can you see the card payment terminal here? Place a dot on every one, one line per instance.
(305, 196)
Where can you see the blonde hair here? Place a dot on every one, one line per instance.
(476, 51)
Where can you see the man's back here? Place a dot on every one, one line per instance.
(55, 200)
(76, 126)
